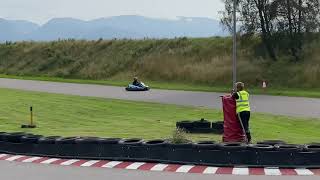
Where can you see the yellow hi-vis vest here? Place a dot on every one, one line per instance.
(243, 101)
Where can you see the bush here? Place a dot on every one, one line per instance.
(179, 136)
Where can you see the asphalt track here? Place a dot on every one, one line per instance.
(279, 105)
(29, 171)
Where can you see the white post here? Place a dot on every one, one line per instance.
(234, 53)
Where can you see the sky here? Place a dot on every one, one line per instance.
(40, 11)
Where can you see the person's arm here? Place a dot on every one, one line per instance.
(140, 84)
(235, 95)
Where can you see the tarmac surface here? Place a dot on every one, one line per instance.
(278, 105)
(30, 171)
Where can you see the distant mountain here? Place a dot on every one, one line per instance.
(15, 30)
(135, 27)
(60, 28)
(160, 28)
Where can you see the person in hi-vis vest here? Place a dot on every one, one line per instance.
(243, 108)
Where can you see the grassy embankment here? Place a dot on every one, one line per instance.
(74, 115)
(186, 64)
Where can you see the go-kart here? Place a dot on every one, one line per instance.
(141, 87)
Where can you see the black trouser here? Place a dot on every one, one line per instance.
(244, 118)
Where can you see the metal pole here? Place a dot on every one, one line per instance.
(234, 53)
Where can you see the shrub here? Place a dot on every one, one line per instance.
(179, 136)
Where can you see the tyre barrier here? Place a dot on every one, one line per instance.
(217, 127)
(30, 139)
(288, 147)
(312, 147)
(161, 151)
(186, 125)
(13, 137)
(272, 142)
(260, 147)
(48, 140)
(201, 126)
(209, 145)
(232, 146)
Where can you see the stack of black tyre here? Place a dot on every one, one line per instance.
(266, 153)
(201, 126)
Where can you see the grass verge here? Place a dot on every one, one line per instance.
(314, 93)
(83, 116)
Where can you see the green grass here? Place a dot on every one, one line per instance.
(313, 93)
(186, 63)
(74, 116)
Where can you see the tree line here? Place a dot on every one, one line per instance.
(281, 24)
